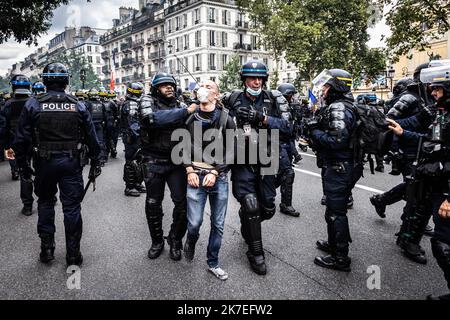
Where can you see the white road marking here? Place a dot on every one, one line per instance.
(308, 155)
(359, 186)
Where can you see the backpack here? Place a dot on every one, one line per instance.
(371, 135)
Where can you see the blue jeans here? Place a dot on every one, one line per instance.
(218, 200)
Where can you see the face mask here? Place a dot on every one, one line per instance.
(254, 93)
(202, 94)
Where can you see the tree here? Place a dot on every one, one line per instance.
(27, 20)
(414, 23)
(230, 78)
(75, 62)
(318, 34)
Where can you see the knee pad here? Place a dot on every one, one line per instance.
(267, 213)
(250, 204)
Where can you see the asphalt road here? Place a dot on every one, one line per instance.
(116, 239)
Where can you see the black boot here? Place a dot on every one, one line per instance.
(14, 175)
(257, 263)
(189, 249)
(155, 250)
(76, 260)
(290, 211)
(27, 210)
(297, 158)
(334, 262)
(324, 246)
(441, 251)
(131, 192)
(412, 251)
(378, 201)
(140, 188)
(154, 215)
(379, 168)
(113, 153)
(175, 248)
(47, 247)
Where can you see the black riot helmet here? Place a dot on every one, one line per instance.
(163, 78)
(20, 85)
(254, 68)
(418, 70)
(287, 90)
(339, 80)
(38, 88)
(437, 77)
(55, 75)
(402, 85)
(134, 90)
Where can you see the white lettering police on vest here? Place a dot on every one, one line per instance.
(55, 106)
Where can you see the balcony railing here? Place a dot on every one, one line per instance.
(156, 37)
(125, 47)
(106, 70)
(138, 60)
(242, 46)
(242, 25)
(138, 43)
(105, 55)
(127, 61)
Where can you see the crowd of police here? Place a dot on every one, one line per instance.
(52, 135)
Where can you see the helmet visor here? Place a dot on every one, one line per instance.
(321, 79)
(435, 74)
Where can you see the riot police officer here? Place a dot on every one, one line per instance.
(97, 109)
(256, 109)
(113, 113)
(21, 87)
(410, 112)
(160, 114)
(55, 124)
(432, 167)
(81, 95)
(286, 174)
(38, 88)
(331, 135)
(130, 127)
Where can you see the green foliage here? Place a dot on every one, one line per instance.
(27, 20)
(318, 34)
(230, 78)
(414, 23)
(75, 62)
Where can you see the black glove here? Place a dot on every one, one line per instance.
(95, 170)
(427, 115)
(312, 125)
(246, 114)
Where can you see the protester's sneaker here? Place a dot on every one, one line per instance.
(219, 273)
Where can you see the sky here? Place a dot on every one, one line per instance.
(99, 14)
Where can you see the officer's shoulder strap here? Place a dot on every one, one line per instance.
(44, 97)
(221, 124)
(233, 97)
(71, 98)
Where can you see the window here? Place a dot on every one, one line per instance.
(213, 79)
(212, 15)
(177, 23)
(99, 70)
(254, 43)
(197, 16)
(97, 49)
(224, 39)
(90, 59)
(186, 84)
(186, 65)
(226, 17)
(185, 19)
(186, 42)
(178, 46)
(212, 38)
(97, 60)
(212, 61)
(198, 63)
(198, 39)
(224, 60)
(89, 49)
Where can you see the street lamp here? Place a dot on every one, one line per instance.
(390, 74)
(83, 76)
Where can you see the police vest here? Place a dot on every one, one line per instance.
(59, 125)
(16, 105)
(96, 109)
(158, 141)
